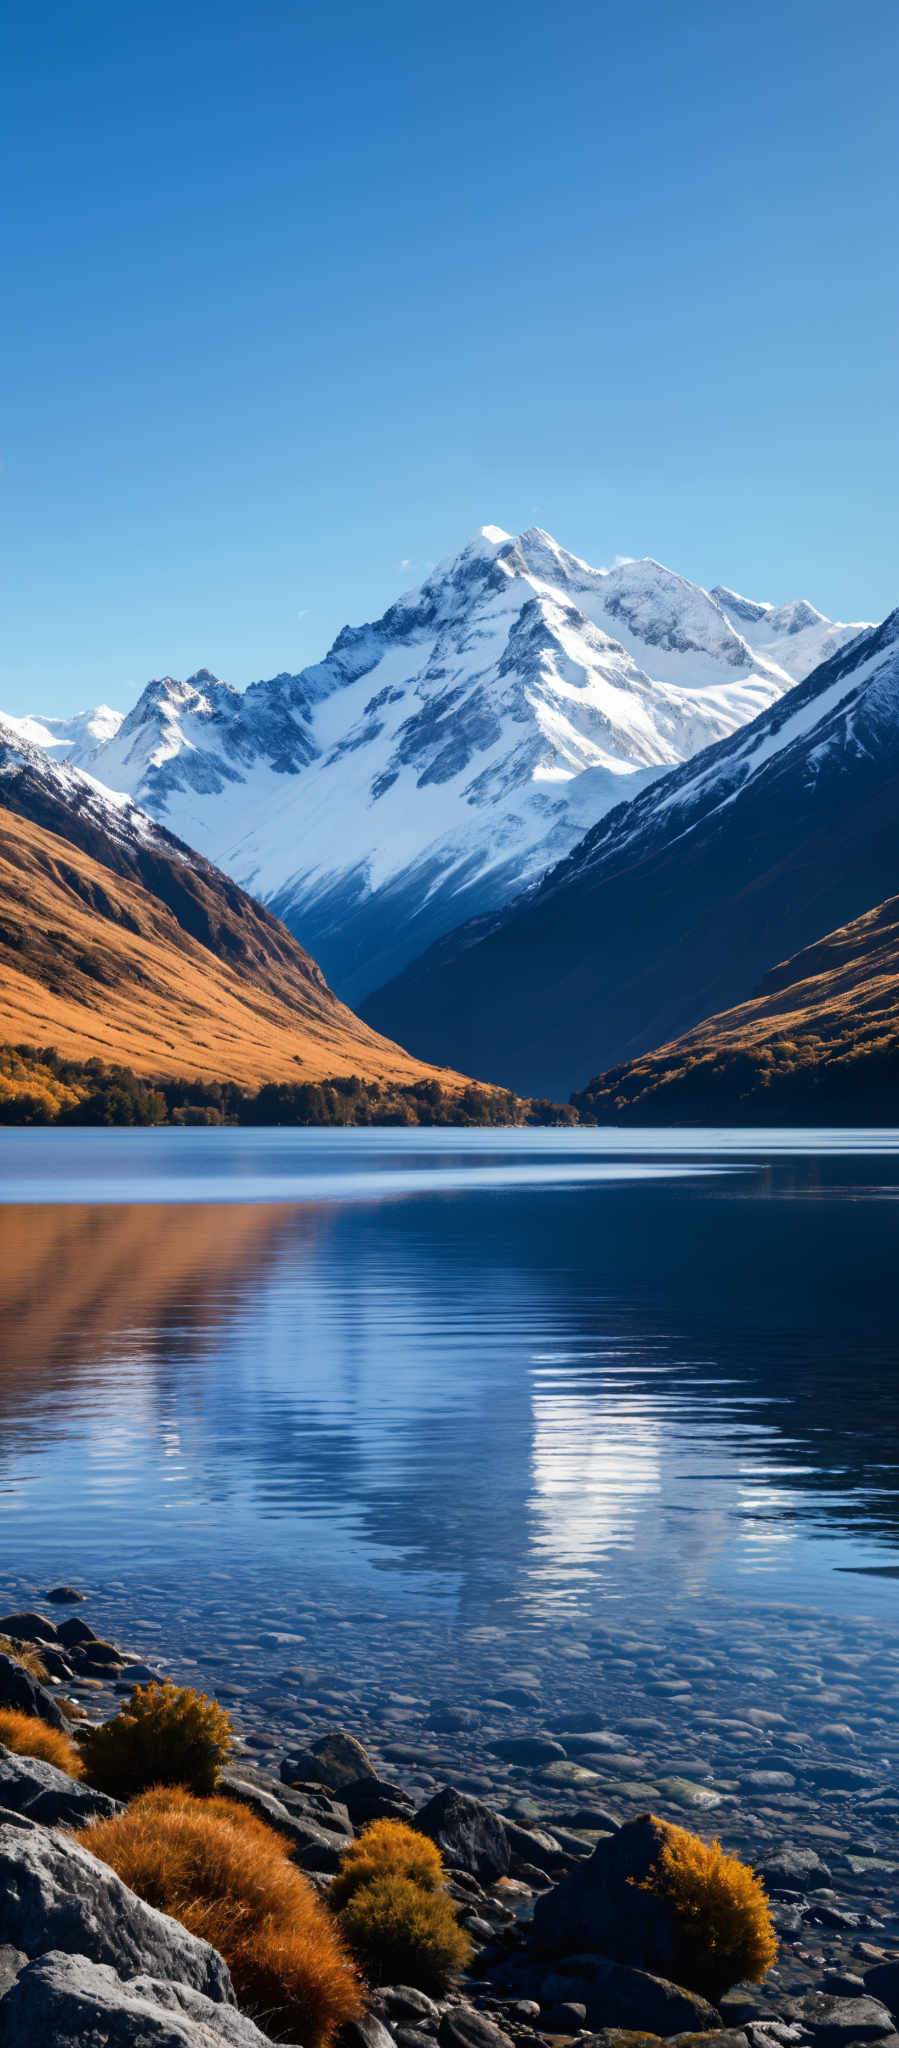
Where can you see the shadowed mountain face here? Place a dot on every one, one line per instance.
(674, 906)
(818, 1043)
(442, 757)
(117, 941)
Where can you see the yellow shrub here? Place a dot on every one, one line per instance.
(22, 1653)
(403, 1934)
(228, 1878)
(166, 1735)
(387, 1848)
(28, 1736)
(723, 1922)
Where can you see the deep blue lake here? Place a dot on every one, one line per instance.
(474, 1397)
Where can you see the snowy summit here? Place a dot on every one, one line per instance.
(442, 757)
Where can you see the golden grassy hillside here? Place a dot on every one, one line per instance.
(170, 970)
(818, 1041)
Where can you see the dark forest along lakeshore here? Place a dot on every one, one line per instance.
(433, 1433)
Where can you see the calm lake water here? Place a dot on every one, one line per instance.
(487, 1396)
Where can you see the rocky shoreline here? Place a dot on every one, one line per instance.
(510, 1796)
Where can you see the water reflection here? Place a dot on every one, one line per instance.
(540, 1392)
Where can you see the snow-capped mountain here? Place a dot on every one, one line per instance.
(674, 906)
(442, 757)
(42, 787)
(74, 740)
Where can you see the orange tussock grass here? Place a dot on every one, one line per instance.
(27, 1736)
(387, 1848)
(228, 1878)
(22, 1653)
(724, 1928)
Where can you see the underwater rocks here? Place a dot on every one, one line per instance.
(326, 1746)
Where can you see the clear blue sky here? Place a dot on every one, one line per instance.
(297, 296)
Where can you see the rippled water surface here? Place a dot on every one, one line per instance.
(503, 1388)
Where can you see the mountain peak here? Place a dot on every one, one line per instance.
(443, 756)
(204, 675)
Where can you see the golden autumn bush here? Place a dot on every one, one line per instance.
(387, 1848)
(166, 1735)
(228, 1878)
(723, 1921)
(27, 1736)
(29, 1084)
(395, 1914)
(403, 1934)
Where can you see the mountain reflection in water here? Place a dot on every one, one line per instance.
(506, 1395)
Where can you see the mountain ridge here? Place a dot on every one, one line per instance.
(672, 906)
(817, 1041)
(442, 757)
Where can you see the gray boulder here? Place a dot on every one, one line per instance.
(54, 1895)
(835, 2021)
(535, 1846)
(529, 1749)
(367, 2032)
(464, 2027)
(468, 1834)
(792, 1869)
(74, 1632)
(302, 1831)
(405, 2002)
(18, 1689)
(12, 1960)
(56, 1664)
(622, 2037)
(316, 1848)
(570, 2017)
(882, 1981)
(65, 2001)
(28, 1628)
(600, 1907)
(376, 1799)
(45, 1794)
(617, 1996)
(335, 1760)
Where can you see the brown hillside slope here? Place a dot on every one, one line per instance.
(818, 1042)
(116, 942)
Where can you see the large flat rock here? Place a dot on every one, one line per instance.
(54, 1895)
(64, 2001)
